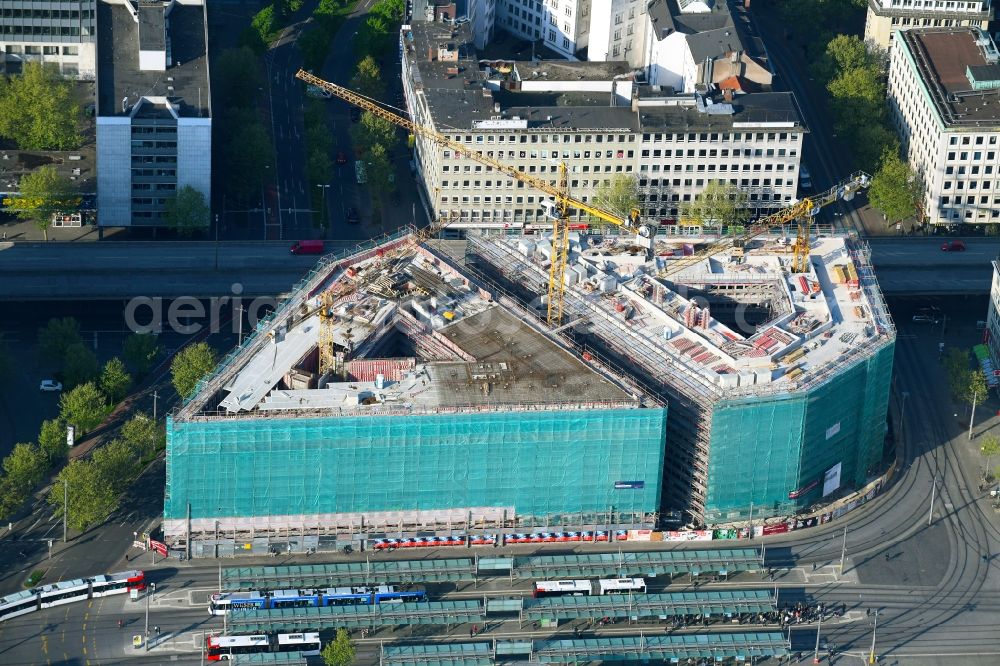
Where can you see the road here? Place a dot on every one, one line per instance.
(60, 271)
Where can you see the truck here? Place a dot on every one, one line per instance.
(308, 247)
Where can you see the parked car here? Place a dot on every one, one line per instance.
(50, 385)
(953, 246)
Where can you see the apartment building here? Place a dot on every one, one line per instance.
(618, 31)
(944, 98)
(61, 32)
(560, 25)
(885, 17)
(598, 118)
(154, 126)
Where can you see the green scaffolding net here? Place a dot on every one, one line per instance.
(540, 463)
(778, 453)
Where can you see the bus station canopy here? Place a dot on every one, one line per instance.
(711, 603)
(370, 572)
(438, 654)
(646, 563)
(362, 615)
(743, 646)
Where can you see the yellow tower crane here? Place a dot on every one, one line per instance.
(561, 199)
(800, 212)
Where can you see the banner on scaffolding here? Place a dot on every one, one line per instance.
(831, 479)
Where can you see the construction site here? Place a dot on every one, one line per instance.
(415, 387)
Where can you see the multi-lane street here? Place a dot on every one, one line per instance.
(59, 271)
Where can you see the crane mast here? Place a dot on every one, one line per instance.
(561, 199)
(800, 212)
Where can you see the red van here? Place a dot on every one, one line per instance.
(308, 247)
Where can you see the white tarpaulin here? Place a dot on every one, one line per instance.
(831, 480)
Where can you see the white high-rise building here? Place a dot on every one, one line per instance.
(61, 32)
(944, 97)
(885, 17)
(154, 124)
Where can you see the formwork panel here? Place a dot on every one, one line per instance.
(542, 463)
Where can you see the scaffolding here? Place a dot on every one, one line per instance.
(763, 426)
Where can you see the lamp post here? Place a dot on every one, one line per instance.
(819, 626)
(322, 205)
(65, 506)
(871, 654)
(152, 589)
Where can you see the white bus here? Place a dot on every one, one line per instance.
(562, 588)
(224, 648)
(621, 586)
(359, 172)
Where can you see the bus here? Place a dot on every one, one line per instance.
(224, 648)
(562, 588)
(621, 586)
(220, 604)
(64, 592)
(359, 172)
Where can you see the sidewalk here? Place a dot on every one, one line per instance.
(19, 231)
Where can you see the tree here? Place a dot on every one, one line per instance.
(974, 388)
(25, 466)
(189, 366)
(38, 109)
(390, 10)
(380, 177)
(956, 365)
(57, 336)
(860, 83)
(143, 434)
(374, 130)
(340, 651)
(79, 365)
(895, 188)
(12, 498)
(115, 380)
(367, 79)
(235, 79)
(869, 139)
(84, 407)
(140, 352)
(91, 498)
(619, 195)
(44, 193)
(118, 463)
(719, 203)
(989, 447)
(187, 210)
(843, 52)
(52, 440)
(249, 152)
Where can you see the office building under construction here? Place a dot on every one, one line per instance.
(414, 388)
